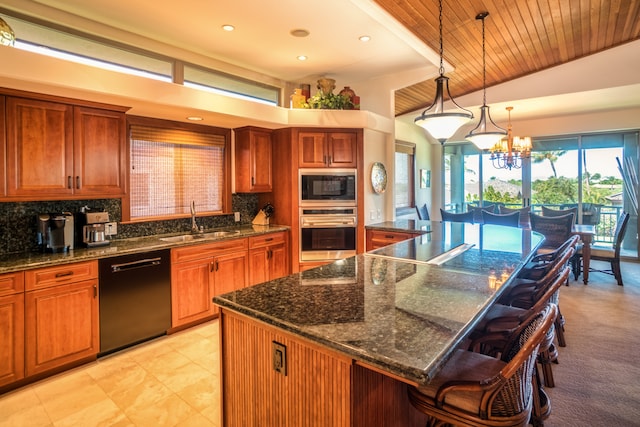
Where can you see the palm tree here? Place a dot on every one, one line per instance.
(552, 156)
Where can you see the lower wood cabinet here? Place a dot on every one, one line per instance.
(11, 337)
(268, 257)
(380, 238)
(61, 316)
(198, 273)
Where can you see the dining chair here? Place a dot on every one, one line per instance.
(508, 219)
(608, 254)
(477, 211)
(477, 389)
(524, 212)
(423, 212)
(546, 211)
(457, 217)
(555, 229)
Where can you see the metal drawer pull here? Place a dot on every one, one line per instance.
(66, 273)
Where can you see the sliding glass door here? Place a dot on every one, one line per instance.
(584, 171)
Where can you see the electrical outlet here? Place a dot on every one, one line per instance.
(279, 357)
(111, 229)
(236, 216)
(372, 215)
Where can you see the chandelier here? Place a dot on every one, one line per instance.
(487, 133)
(434, 120)
(509, 153)
(7, 36)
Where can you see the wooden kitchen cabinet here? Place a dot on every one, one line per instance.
(253, 151)
(11, 328)
(57, 150)
(268, 257)
(327, 149)
(61, 316)
(198, 273)
(380, 238)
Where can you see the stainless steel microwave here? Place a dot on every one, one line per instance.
(327, 187)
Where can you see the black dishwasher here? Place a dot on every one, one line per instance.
(135, 299)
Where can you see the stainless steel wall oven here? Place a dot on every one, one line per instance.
(327, 233)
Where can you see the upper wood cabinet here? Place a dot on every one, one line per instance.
(253, 160)
(327, 149)
(57, 150)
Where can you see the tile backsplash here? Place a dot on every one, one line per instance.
(18, 220)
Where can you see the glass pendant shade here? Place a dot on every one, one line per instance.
(486, 134)
(7, 36)
(434, 120)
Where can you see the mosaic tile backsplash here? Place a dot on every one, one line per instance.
(18, 220)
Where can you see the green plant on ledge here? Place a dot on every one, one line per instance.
(330, 101)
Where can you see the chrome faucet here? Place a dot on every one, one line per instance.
(194, 225)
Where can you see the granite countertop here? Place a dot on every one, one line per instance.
(400, 308)
(24, 261)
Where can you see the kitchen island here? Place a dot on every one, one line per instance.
(337, 345)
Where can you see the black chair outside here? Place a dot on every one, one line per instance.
(591, 213)
(509, 219)
(524, 212)
(560, 212)
(477, 211)
(457, 217)
(611, 255)
(555, 229)
(423, 212)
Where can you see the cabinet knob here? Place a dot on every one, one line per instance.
(78, 182)
(69, 182)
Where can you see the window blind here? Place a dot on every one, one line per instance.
(170, 168)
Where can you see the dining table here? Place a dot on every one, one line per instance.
(586, 233)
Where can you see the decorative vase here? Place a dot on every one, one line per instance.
(349, 93)
(326, 86)
(306, 91)
(297, 99)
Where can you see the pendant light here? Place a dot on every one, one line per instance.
(486, 134)
(7, 36)
(434, 120)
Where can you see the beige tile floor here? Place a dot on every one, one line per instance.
(170, 381)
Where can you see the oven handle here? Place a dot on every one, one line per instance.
(328, 223)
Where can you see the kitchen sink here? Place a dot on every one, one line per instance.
(192, 237)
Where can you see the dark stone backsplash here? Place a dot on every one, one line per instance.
(18, 220)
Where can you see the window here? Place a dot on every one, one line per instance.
(173, 164)
(405, 175)
(72, 45)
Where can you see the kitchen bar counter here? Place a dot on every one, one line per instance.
(399, 311)
(24, 261)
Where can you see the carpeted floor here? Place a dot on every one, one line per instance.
(598, 375)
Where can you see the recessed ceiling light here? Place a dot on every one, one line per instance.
(364, 38)
(195, 118)
(228, 27)
(299, 32)
(302, 57)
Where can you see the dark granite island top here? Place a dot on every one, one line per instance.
(401, 309)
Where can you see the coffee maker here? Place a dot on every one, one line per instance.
(55, 232)
(93, 228)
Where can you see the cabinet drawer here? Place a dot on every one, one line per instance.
(266, 240)
(207, 250)
(61, 274)
(11, 283)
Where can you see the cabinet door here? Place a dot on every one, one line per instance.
(98, 151)
(253, 161)
(312, 151)
(278, 261)
(11, 338)
(191, 291)
(258, 266)
(230, 272)
(39, 148)
(342, 149)
(61, 325)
